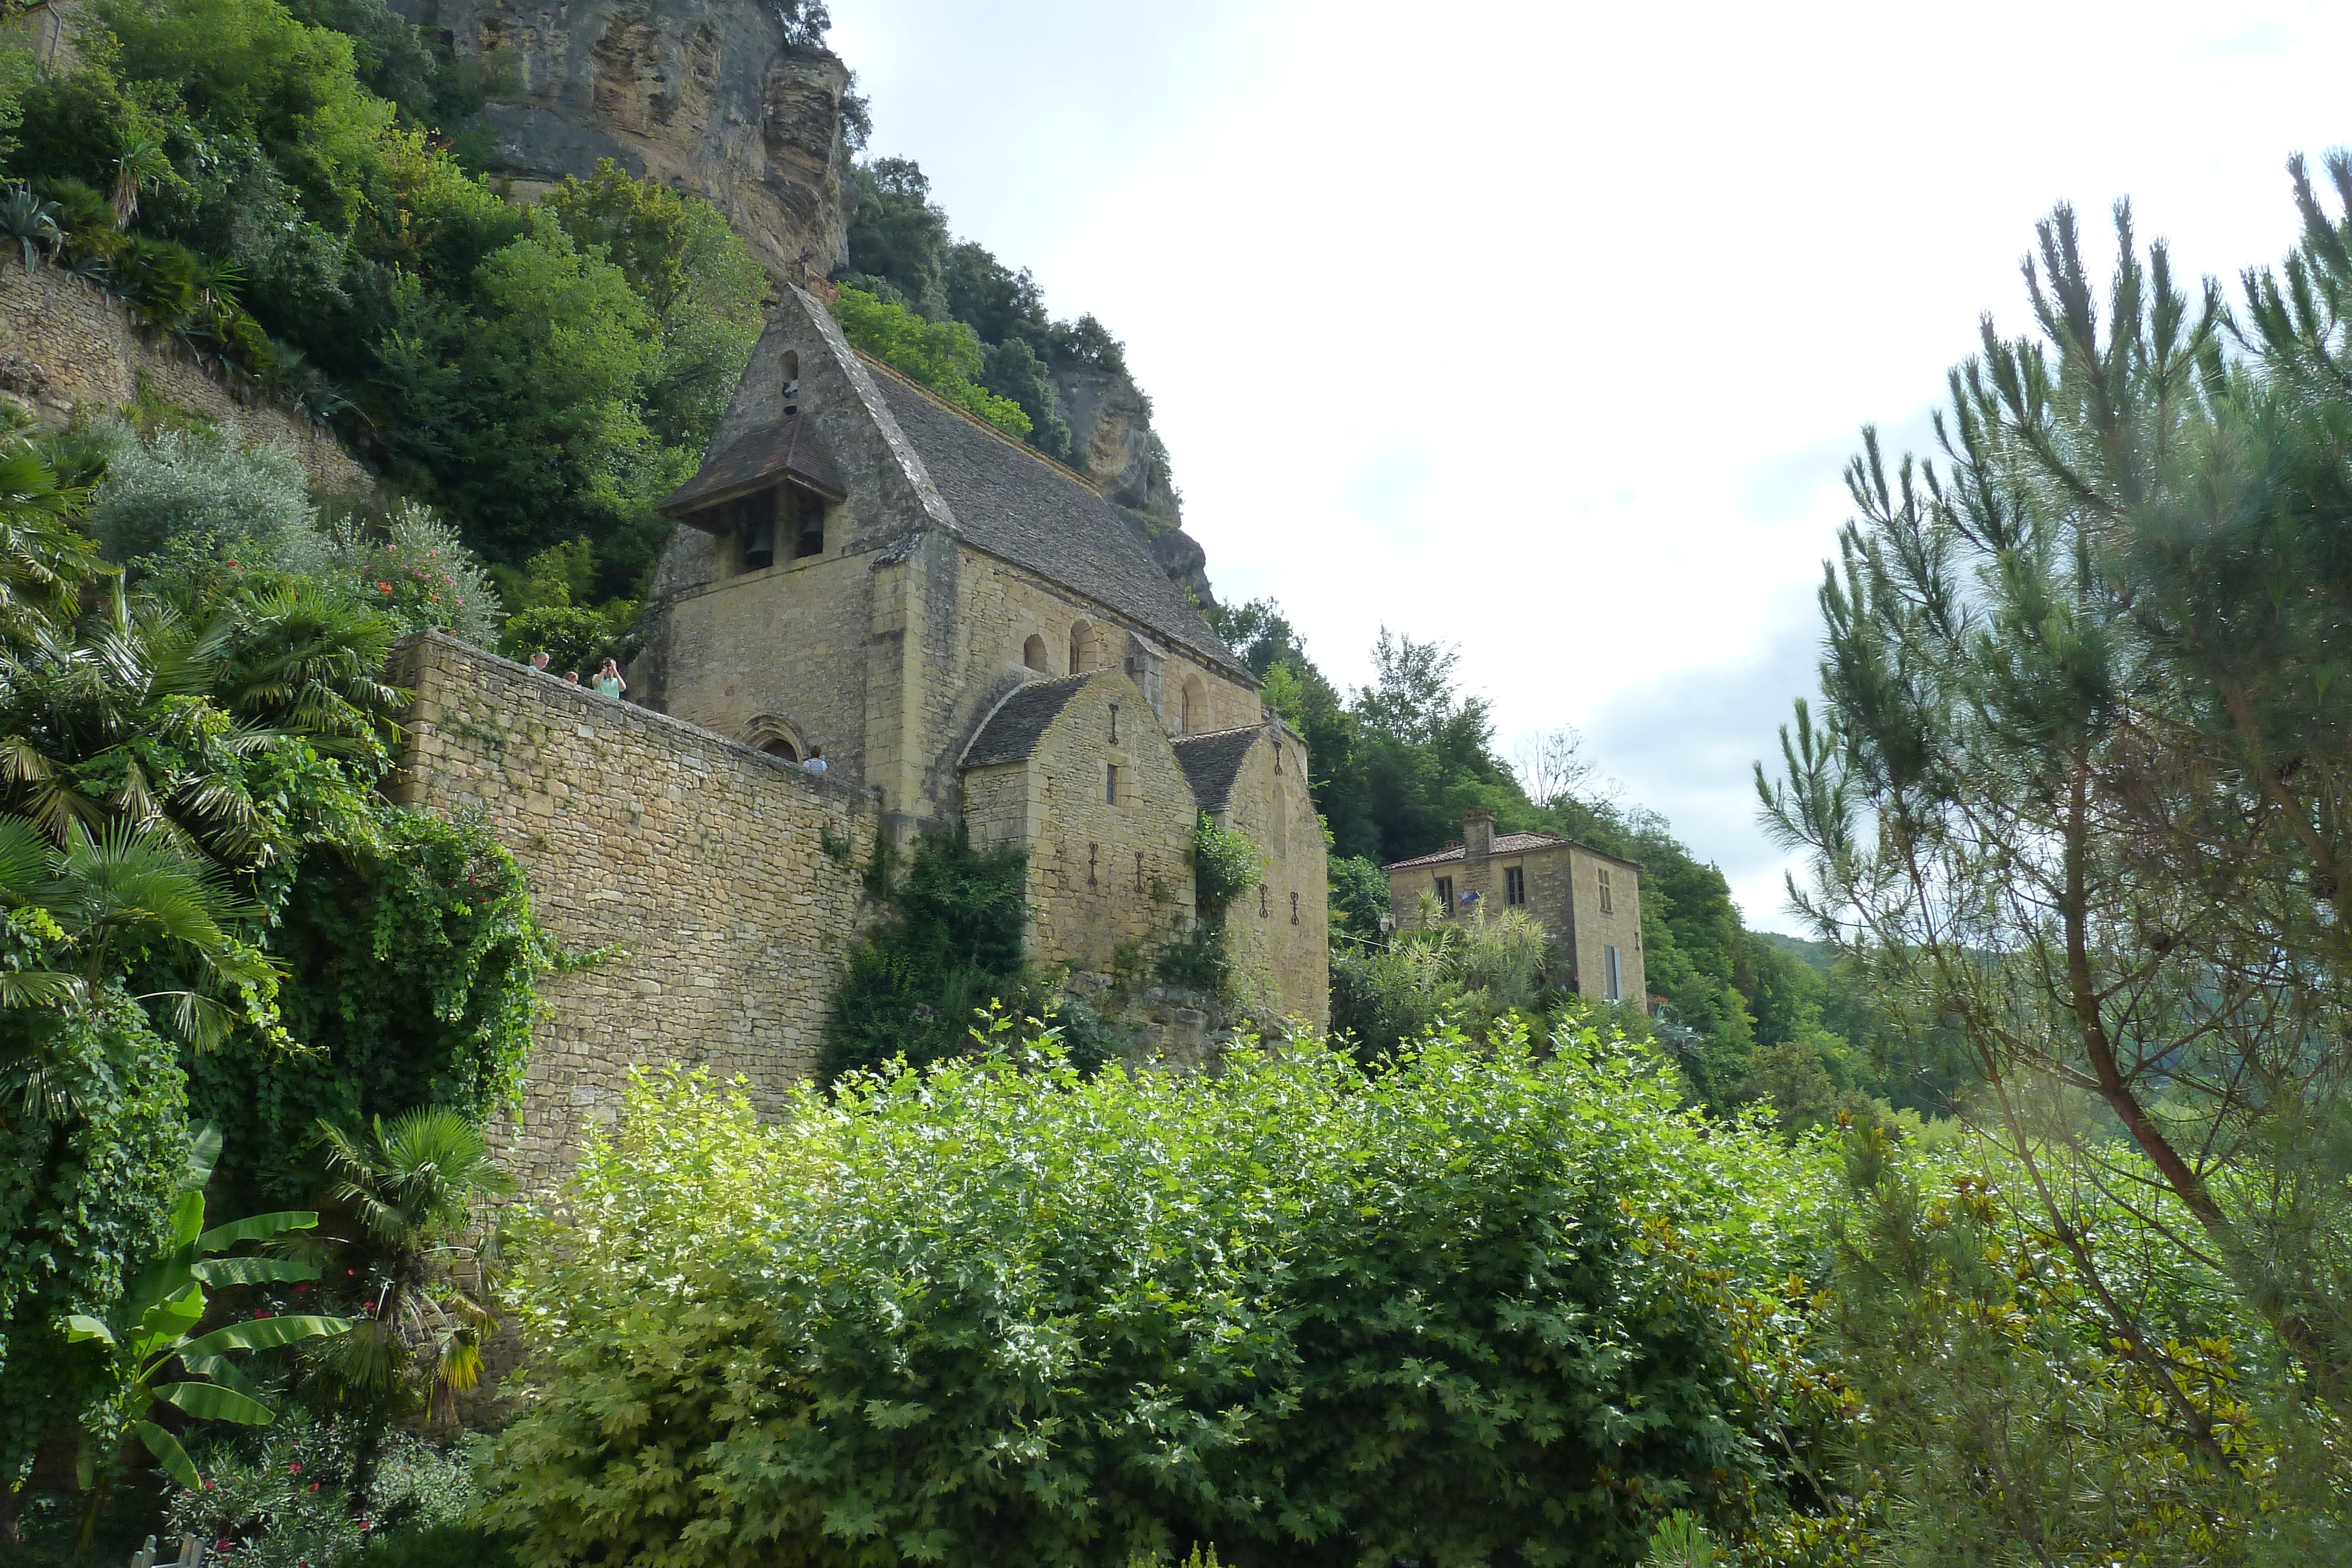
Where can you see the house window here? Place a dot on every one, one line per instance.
(1445, 894)
(1607, 907)
(755, 524)
(1033, 653)
(1515, 884)
(1110, 783)
(1616, 978)
(781, 747)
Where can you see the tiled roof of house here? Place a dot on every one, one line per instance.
(783, 447)
(1505, 845)
(1214, 760)
(1012, 731)
(1510, 844)
(1015, 504)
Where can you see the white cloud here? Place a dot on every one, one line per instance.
(1547, 328)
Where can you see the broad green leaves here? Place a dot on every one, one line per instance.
(1485, 1305)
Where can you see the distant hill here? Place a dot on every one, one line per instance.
(1821, 955)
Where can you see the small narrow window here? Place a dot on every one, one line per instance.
(1277, 758)
(1093, 852)
(1515, 884)
(1110, 783)
(1138, 871)
(1113, 724)
(1616, 977)
(1261, 900)
(1445, 894)
(1606, 906)
(1294, 909)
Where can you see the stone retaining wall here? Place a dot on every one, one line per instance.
(65, 344)
(727, 881)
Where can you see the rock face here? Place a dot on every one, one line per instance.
(1111, 441)
(702, 95)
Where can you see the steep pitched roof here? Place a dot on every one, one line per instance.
(1013, 502)
(1020, 721)
(1214, 760)
(769, 450)
(1511, 844)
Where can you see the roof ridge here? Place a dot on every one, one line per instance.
(1015, 441)
(1213, 734)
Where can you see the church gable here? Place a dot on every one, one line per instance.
(1078, 771)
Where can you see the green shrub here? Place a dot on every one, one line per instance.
(209, 489)
(1471, 971)
(949, 947)
(417, 572)
(1487, 1307)
(310, 1493)
(944, 356)
(1225, 864)
(572, 639)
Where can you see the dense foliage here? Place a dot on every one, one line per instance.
(207, 899)
(948, 945)
(236, 171)
(2075, 794)
(1483, 1306)
(919, 298)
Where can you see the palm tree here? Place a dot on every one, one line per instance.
(414, 1188)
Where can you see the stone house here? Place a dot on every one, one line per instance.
(973, 632)
(1589, 903)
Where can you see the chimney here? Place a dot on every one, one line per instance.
(1478, 833)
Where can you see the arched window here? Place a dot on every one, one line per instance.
(776, 736)
(1193, 712)
(1032, 653)
(1081, 647)
(792, 369)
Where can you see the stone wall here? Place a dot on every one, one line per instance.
(1277, 931)
(727, 881)
(65, 344)
(1103, 874)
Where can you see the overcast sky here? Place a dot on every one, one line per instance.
(1547, 328)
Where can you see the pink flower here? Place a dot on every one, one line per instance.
(294, 1468)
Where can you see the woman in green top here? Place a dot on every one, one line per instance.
(608, 681)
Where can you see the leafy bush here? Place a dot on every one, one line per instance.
(1472, 972)
(420, 574)
(572, 639)
(1225, 864)
(944, 356)
(313, 1493)
(251, 504)
(948, 946)
(1486, 1307)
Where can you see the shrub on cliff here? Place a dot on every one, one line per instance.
(1493, 1305)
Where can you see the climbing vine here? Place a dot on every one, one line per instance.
(948, 943)
(412, 954)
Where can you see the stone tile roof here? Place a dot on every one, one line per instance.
(1510, 844)
(765, 451)
(1013, 503)
(1214, 760)
(1012, 731)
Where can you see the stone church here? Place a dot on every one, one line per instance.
(971, 630)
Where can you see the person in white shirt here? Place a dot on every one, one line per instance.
(816, 763)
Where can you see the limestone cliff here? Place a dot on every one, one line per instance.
(1111, 441)
(703, 95)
